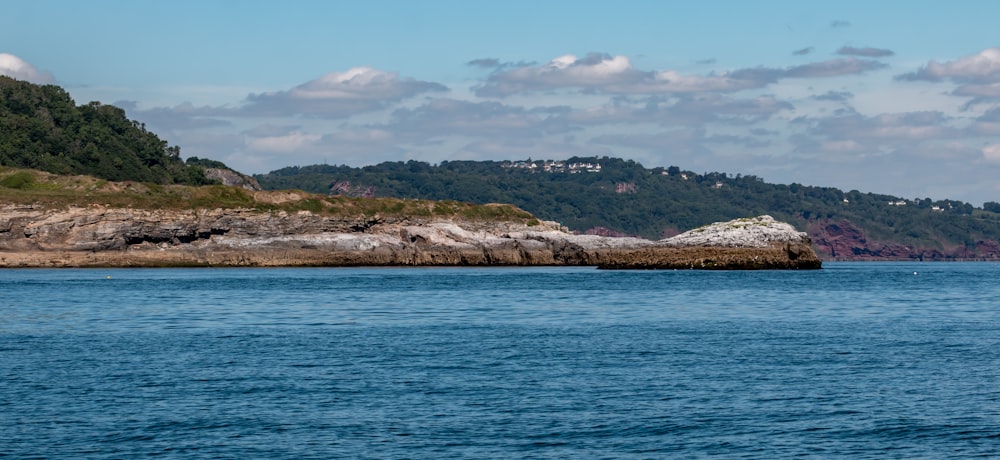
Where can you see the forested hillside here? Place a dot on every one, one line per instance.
(42, 128)
(622, 196)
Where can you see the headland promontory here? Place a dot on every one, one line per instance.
(81, 222)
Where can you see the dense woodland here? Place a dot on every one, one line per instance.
(42, 128)
(628, 198)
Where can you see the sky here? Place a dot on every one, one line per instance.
(894, 97)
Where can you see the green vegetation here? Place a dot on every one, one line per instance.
(29, 187)
(42, 128)
(629, 198)
(20, 180)
(205, 163)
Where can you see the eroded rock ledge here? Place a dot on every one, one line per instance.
(101, 236)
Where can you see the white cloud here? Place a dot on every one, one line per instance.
(338, 95)
(687, 109)
(854, 138)
(946, 151)
(562, 62)
(886, 128)
(977, 76)
(990, 90)
(671, 81)
(983, 67)
(595, 69)
(15, 67)
(356, 83)
(592, 71)
(686, 141)
(361, 135)
(991, 153)
(282, 143)
(843, 146)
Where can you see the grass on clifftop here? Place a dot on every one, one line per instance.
(30, 187)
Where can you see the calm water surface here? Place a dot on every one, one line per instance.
(858, 360)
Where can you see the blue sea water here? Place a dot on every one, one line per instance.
(858, 360)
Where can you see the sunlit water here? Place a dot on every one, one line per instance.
(858, 360)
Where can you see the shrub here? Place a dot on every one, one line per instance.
(20, 180)
(311, 204)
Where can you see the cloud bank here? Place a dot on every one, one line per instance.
(338, 95)
(606, 74)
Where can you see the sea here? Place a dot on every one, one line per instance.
(857, 360)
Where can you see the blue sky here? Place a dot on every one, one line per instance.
(897, 97)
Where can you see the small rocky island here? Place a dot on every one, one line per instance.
(99, 236)
(81, 222)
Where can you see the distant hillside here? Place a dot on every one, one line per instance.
(614, 196)
(42, 128)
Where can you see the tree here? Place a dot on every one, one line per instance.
(42, 128)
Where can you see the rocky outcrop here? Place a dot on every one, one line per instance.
(751, 243)
(233, 179)
(843, 240)
(754, 232)
(103, 236)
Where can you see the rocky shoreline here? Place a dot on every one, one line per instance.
(99, 236)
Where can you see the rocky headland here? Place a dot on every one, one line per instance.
(95, 235)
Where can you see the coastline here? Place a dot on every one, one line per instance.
(634, 259)
(98, 236)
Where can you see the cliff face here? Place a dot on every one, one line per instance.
(102, 236)
(842, 240)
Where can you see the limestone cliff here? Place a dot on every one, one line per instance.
(96, 235)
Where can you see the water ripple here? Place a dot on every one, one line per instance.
(854, 361)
